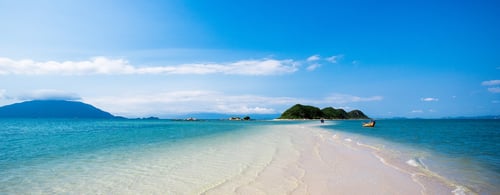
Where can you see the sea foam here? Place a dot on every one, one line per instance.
(459, 190)
(416, 162)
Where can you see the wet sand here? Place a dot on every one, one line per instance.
(309, 160)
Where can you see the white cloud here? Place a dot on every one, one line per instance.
(103, 65)
(48, 94)
(260, 67)
(179, 102)
(494, 89)
(313, 67)
(98, 65)
(491, 82)
(243, 109)
(345, 98)
(314, 64)
(334, 59)
(313, 58)
(429, 99)
(2, 94)
(417, 111)
(188, 102)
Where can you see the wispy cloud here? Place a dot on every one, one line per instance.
(48, 94)
(2, 94)
(313, 58)
(189, 102)
(175, 102)
(429, 99)
(313, 67)
(334, 59)
(315, 61)
(491, 82)
(103, 65)
(346, 98)
(494, 89)
(493, 85)
(417, 111)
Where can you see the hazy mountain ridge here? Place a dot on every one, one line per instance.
(52, 109)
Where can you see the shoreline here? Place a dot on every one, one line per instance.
(322, 162)
(434, 165)
(293, 158)
(432, 182)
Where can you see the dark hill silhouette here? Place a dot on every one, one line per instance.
(52, 109)
(299, 111)
(356, 114)
(332, 113)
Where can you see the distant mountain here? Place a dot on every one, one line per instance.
(475, 117)
(299, 111)
(52, 109)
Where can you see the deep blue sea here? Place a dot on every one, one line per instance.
(41, 150)
(465, 151)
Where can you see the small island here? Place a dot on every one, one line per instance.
(299, 111)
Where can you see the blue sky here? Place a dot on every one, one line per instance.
(135, 58)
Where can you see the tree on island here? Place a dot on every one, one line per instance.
(299, 111)
(357, 114)
(332, 113)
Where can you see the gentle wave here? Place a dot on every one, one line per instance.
(416, 162)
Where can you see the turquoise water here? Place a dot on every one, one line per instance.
(42, 156)
(52, 156)
(28, 141)
(465, 151)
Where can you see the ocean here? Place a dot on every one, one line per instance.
(466, 152)
(86, 156)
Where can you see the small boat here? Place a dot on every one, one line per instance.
(369, 124)
(191, 119)
(234, 118)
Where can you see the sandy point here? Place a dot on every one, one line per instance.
(310, 160)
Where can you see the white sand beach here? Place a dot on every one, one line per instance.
(309, 160)
(277, 159)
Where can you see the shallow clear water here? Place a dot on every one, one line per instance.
(50, 156)
(79, 156)
(25, 141)
(465, 151)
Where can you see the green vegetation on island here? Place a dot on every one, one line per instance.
(299, 111)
